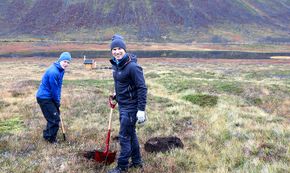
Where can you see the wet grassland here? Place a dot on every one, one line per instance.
(231, 115)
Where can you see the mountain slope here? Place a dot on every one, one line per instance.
(215, 21)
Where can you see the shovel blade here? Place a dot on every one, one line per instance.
(64, 137)
(106, 158)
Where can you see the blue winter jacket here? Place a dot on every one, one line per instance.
(130, 87)
(51, 83)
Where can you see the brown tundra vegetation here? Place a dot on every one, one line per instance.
(231, 115)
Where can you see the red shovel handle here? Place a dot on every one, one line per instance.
(109, 131)
(107, 142)
(112, 105)
(111, 102)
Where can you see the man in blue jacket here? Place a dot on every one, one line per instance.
(49, 94)
(131, 94)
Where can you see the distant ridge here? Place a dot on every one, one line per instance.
(185, 21)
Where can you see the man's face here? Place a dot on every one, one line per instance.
(118, 53)
(64, 64)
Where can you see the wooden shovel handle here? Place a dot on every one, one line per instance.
(110, 119)
(62, 127)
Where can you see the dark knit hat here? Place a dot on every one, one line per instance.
(64, 56)
(118, 41)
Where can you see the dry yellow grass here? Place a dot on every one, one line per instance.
(42, 46)
(246, 131)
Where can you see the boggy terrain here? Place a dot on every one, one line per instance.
(231, 115)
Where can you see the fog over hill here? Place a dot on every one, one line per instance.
(186, 21)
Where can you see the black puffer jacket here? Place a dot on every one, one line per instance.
(130, 87)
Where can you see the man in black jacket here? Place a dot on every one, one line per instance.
(131, 94)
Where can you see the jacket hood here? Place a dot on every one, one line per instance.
(57, 64)
(133, 58)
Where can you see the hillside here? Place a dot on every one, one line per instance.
(216, 21)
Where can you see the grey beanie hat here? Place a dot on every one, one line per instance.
(118, 41)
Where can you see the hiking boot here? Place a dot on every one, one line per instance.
(118, 170)
(135, 165)
(54, 141)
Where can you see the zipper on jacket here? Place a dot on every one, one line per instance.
(129, 91)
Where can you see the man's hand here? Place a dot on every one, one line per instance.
(113, 97)
(57, 105)
(141, 117)
(112, 101)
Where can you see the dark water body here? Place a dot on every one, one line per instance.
(162, 54)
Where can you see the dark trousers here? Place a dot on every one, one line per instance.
(128, 140)
(51, 114)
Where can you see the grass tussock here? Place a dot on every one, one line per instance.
(3, 104)
(11, 125)
(202, 100)
(240, 122)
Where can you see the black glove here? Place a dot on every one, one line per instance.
(57, 105)
(113, 97)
